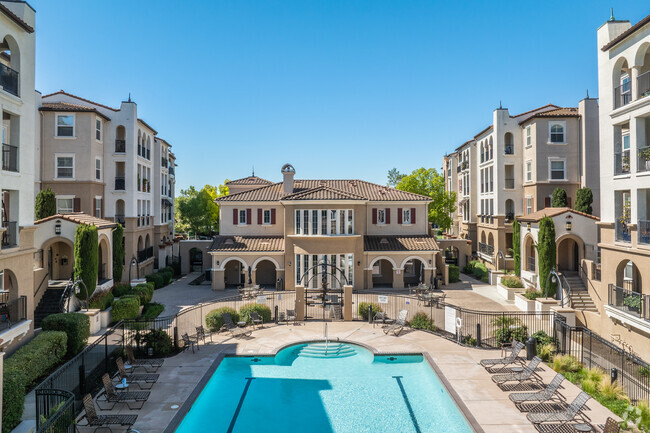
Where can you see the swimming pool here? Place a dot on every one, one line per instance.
(308, 388)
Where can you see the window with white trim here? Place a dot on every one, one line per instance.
(556, 132)
(98, 129)
(381, 216)
(64, 205)
(529, 171)
(242, 216)
(64, 166)
(529, 205)
(98, 168)
(65, 125)
(406, 216)
(557, 169)
(266, 216)
(98, 207)
(529, 136)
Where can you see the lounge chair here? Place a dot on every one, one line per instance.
(190, 342)
(611, 426)
(150, 365)
(112, 396)
(137, 378)
(256, 319)
(546, 395)
(104, 421)
(560, 417)
(528, 373)
(336, 312)
(400, 323)
(510, 359)
(202, 334)
(291, 316)
(234, 330)
(382, 319)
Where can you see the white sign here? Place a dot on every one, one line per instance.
(450, 320)
(279, 296)
(261, 299)
(382, 299)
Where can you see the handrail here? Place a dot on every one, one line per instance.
(38, 289)
(568, 294)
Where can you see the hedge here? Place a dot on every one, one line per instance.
(152, 310)
(121, 290)
(86, 258)
(516, 245)
(159, 341)
(101, 300)
(421, 321)
(75, 325)
(157, 279)
(167, 275)
(13, 399)
(261, 309)
(39, 356)
(126, 308)
(144, 292)
(214, 321)
(363, 309)
(479, 270)
(118, 252)
(454, 273)
(512, 281)
(45, 205)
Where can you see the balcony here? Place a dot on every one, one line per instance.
(9, 157)
(120, 183)
(510, 217)
(622, 95)
(644, 232)
(628, 307)
(643, 157)
(510, 184)
(9, 79)
(120, 218)
(120, 146)
(145, 254)
(622, 162)
(13, 319)
(171, 169)
(509, 149)
(148, 153)
(10, 235)
(643, 85)
(622, 231)
(485, 251)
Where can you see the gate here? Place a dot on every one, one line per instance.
(324, 302)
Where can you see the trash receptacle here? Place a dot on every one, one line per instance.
(208, 275)
(531, 348)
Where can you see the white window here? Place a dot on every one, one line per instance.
(98, 207)
(529, 205)
(406, 216)
(556, 132)
(529, 171)
(267, 216)
(557, 169)
(298, 226)
(65, 125)
(242, 216)
(98, 129)
(64, 204)
(381, 216)
(64, 166)
(529, 137)
(98, 168)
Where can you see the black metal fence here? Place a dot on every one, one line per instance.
(12, 312)
(56, 409)
(632, 373)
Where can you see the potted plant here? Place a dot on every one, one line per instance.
(644, 155)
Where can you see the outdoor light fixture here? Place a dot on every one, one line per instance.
(568, 226)
(359, 263)
(217, 262)
(57, 227)
(528, 226)
(429, 261)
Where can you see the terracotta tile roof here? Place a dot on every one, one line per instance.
(247, 243)
(80, 218)
(552, 212)
(483, 132)
(15, 18)
(626, 33)
(352, 189)
(558, 112)
(467, 142)
(63, 92)
(250, 180)
(148, 126)
(536, 110)
(400, 243)
(66, 106)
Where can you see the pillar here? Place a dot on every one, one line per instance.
(368, 273)
(253, 277)
(347, 303)
(218, 282)
(300, 302)
(398, 278)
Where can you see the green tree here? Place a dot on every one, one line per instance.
(45, 204)
(558, 199)
(118, 253)
(86, 258)
(432, 184)
(584, 199)
(394, 177)
(196, 211)
(546, 253)
(516, 245)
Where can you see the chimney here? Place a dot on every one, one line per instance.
(287, 178)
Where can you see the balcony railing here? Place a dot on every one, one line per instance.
(10, 235)
(510, 217)
(629, 301)
(148, 153)
(510, 149)
(171, 169)
(622, 95)
(531, 264)
(510, 184)
(643, 158)
(9, 157)
(644, 231)
(120, 218)
(12, 312)
(622, 162)
(120, 183)
(623, 231)
(643, 84)
(9, 79)
(163, 162)
(145, 254)
(120, 146)
(486, 249)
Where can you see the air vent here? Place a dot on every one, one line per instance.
(383, 241)
(229, 241)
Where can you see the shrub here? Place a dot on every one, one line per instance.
(261, 309)
(75, 325)
(516, 245)
(126, 308)
(509, 328)
(469, 268)
(167, 275)
(118, 252)
(512, 281)
(145, 292)
(612, 391)
(644, 371)
(546, 352)
(566, 364)
(454, 273)
(131, 295)
(86, 258)
(13, 399)
(101, 300)
(45, 204)
(214, 321)
(152, 310)
(121, 290)
(468, 340)
(363, 309)
(558, 198)
(157, 279)
(39, 356)
(480, 271)
(421, 321)
(584, 199)
(159, 341)
(533, 294)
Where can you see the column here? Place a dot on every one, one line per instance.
(218, 282)
(398, 278)
(347, 303)
(300, 302)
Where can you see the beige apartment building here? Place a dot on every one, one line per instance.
(373, 235)
(511, 168)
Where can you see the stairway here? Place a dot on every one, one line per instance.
(49, 304)
(321, 350)
(579, 297)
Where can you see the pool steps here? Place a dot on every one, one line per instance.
(321, 350)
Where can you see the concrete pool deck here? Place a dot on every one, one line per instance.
(487, 403)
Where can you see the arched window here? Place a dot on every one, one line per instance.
(557, 132)
(509, 144)
(10, 64)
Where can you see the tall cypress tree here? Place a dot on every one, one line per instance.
(118, 253)
(547, 253)
(516, 245)
(45, 205)
(86, 258)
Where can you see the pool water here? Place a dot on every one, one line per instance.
(308, 388)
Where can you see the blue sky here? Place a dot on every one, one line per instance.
(338, 88)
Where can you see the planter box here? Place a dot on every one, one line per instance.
(135, 282)
(508, 293)
(105, 317)
(95, 319)
(543, 305)
(524, 304)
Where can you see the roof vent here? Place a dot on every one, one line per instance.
(229, 241)
(383, 241)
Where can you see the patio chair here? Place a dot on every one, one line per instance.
(234, 330)
(561, 417)
(291, 316)
(127, 397)
(546, 395)
(381, 318)
(528, 373)
(400, 323)
(256, 319)
(336, 312)
(202, 334)
(611, 426)
(138, 378)
(150, 365)
(104, 421)
(510, 359)
(190, 342)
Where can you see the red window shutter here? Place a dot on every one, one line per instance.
(76, 204)
(374, 215)
(94, 205)
(399, 215)
(387, 215)
(235, 216)
(547, 202)
(568, 202)
(259, 216)
(248, 216)
(272, 216)
(101, 205)
(412, 215)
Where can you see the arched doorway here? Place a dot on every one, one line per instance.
(265, 274)
(414, 272)
(569, 253)
(628, 276)
(103, 256)
(382, 273)
(8, 286)
(196, 260)
(60, 260)
(529, 254)
(235, 273)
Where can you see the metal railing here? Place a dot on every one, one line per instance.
(10, 235)
(510, 183)
(148, 153)
(486, 249)
(622, 162)
(9, 79)
(120, 218)
(622, 95)
(643, 84)
(643, 158)
(120, 146)
(628, 301)
(510, 217)
(9, 157)
(120, 183)
(644, 231)
(622, 231)
(145, 254)
(56, 411)
(12, 312)
(509, 149)
(171, 169)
